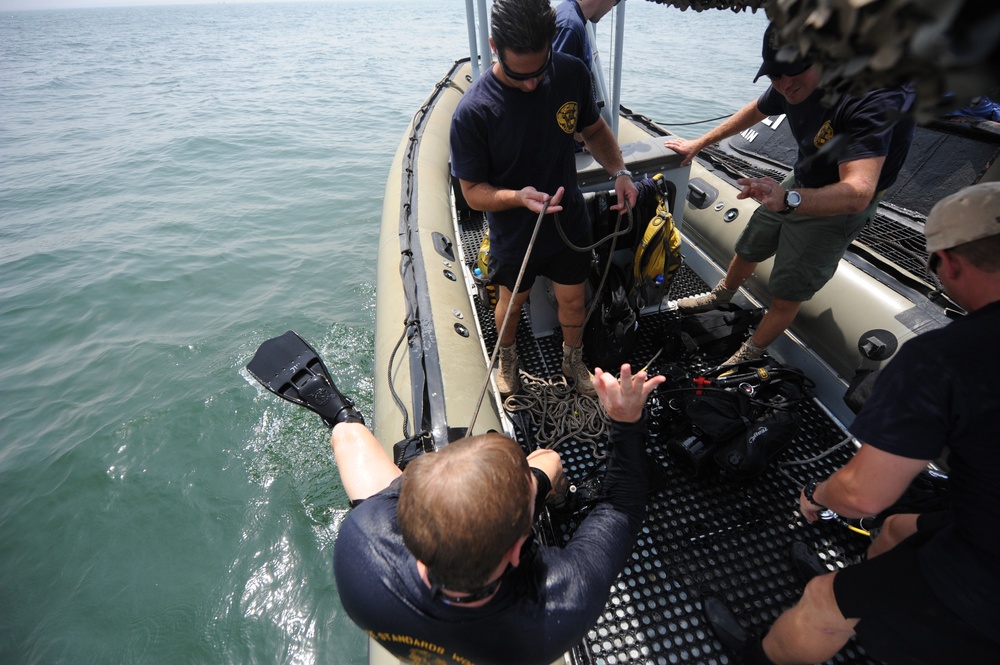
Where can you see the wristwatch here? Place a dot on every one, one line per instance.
(809, 489)
(619, 174)
(792, 201)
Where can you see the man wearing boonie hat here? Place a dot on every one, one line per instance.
(807, 221)
(928, 591)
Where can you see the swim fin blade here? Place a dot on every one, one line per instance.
(291, 369)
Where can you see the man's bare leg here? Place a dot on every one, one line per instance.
(812, 631)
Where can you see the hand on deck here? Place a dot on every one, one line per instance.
(686, 147)
(623, 399)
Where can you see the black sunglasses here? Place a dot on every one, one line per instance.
(799, 68)
(514, 76)
(933, 262)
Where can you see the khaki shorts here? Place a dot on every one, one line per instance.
(806, 249)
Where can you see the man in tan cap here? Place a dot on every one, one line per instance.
(928, 590)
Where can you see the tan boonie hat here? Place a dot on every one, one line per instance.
(968, 214)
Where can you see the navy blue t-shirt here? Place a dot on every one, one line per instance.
(869, 125)
(513, 139)
(571, 31)
(941, 391)
(543, 608)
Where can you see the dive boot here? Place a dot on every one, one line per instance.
(508, 380)
(717, 297)
(806, 562)
(573, 367)
(292, 370)
(748, 351)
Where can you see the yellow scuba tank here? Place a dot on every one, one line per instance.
(657, 254)
(481, 275)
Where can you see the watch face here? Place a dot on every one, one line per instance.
(794, 198)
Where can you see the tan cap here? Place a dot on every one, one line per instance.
(968, 214)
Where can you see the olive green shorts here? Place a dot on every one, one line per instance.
(806, 249)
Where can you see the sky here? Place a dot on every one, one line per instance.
(66, 4)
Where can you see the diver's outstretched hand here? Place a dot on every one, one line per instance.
(623, 399)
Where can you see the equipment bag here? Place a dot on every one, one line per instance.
(740, 428)
(777, 420)
(718, 332)
(658, 252)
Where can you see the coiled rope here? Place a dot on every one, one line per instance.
(559, 413)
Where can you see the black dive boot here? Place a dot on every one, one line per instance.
(733, 636)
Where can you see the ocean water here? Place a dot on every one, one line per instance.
(177, 184)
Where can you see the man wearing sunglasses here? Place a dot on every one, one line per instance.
(512, 151)
(848, 155)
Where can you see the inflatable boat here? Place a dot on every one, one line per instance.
(707, 533)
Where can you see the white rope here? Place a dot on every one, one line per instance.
(560, 413)
(506, 315)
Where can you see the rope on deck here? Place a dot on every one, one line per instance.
(559, 413)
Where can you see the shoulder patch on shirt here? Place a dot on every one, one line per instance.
(566, 117)
(824, 134)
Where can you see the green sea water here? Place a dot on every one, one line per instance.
(178, 184)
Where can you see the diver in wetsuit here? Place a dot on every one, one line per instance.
(438, 563)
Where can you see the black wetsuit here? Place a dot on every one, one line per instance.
(542, 609)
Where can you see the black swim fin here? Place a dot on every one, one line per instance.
(291, 369)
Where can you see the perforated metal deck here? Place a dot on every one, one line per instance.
(704, 535)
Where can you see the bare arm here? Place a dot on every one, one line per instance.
(365, 467)
(602, 145)
(549, 462)
(745, 118)
(871, 482)
(853, 193)
(484, 196)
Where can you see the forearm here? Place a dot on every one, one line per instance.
(869, 483)
(842, 497)
(365, 467)
(840, 198)
(487, 198)
(745, 118)
(603, 146)
(626, 483)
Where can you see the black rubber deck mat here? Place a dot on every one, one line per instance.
(704, 534)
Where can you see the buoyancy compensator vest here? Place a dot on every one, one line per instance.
(737, 422)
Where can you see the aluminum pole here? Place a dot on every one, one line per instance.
(470, 23)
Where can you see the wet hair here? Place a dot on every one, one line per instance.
(462, 507)
(522, 26)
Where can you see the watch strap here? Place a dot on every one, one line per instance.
(809, 490)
